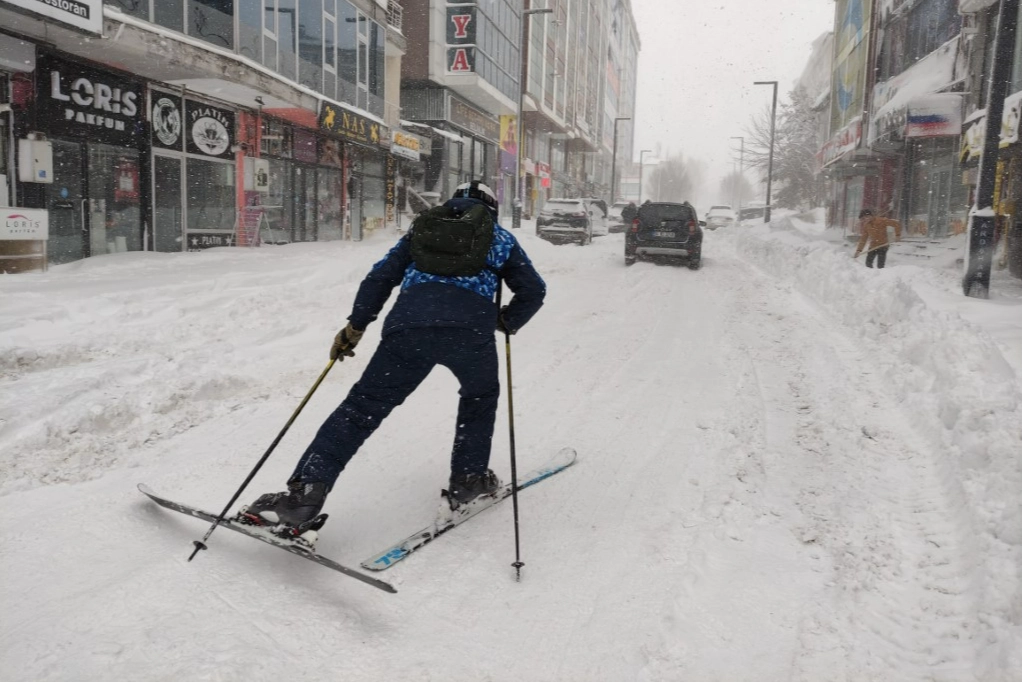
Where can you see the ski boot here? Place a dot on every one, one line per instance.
(463, 490)
(293, 515)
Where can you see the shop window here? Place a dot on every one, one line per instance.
(276, 139)
(212, 21)
(310, 44)
(210, 195)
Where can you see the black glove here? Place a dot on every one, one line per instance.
(345, 342)
(501, 325)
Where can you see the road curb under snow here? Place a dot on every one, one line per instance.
(954, 384)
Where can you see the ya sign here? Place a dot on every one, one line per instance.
(24, 223)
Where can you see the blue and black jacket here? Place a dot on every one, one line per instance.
(464, 302)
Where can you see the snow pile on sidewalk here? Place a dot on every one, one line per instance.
(949, 373)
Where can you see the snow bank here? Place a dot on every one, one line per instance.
(951, 377)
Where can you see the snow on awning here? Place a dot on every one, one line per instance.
(430, 130)
(893, 98)
(971, 6)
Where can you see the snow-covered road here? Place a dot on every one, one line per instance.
(776, 482)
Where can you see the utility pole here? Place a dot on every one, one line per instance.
(524, 58)
(981, 241)
(614, 160)
(770, 155)
(742, 152)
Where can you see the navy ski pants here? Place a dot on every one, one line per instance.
(401, 362)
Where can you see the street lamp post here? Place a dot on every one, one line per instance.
(770, 155)
(614, 159)
(524, 55)
(645, 151)
(742, 152)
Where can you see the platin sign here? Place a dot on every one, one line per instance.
(461, 25)
(166, 121)
(210, 130)
(24, 224)
(78, 101)
(346, 123)
(86, 15)
(198, 241)
(476, 122)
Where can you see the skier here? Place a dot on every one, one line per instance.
(438, 319)
(875, 228)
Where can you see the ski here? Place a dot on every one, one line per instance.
(267, 537)
(395, 553)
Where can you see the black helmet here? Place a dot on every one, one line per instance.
(476, 190)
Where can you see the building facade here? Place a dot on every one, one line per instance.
(907, 117)
(580, 70)
(172, 125)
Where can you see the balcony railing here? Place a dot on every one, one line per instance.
(394, 14)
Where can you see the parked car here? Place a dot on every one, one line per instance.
(571, 220)
(615, 222)
(720, 216)
(665, 230)
(751, 212)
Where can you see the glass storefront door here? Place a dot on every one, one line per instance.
(167, 204)
(65, 200)
(114, 195)
(328, 199)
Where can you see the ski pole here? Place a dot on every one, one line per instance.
(201, 544)
(511, 436)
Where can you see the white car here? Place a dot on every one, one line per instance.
(571, 220)
(720, 216)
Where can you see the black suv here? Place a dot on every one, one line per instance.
(665, 230)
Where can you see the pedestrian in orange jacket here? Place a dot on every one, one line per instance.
(875, 229)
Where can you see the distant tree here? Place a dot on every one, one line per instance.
(796, 143)
(736, 190)
(674, 179)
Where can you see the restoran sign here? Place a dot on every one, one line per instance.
(86, 15)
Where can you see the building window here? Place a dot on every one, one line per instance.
(310, 44)
(212, 21)
(250, 31)
(170, 14)
(287, 34)
(347, 55)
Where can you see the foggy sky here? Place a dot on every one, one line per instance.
(697, 65)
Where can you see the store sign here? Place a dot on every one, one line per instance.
(24, 224)
(165, 119)
(406, 144)
(78, 101)
(973, 132)
(350, 125)
(845, 141)
(86, 15)
(474, 121)
(935, 116)
(210, 130)
(199, 241)
(261, 175)
(390, 183)
(461, 25)
(461, 59)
